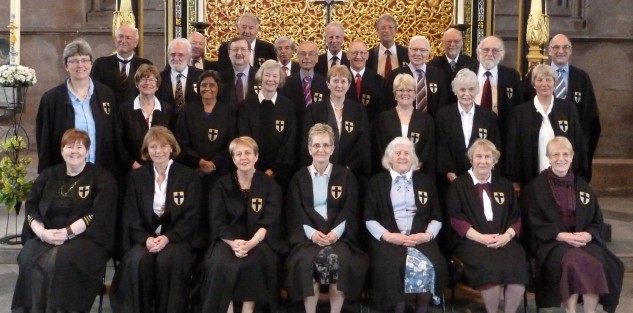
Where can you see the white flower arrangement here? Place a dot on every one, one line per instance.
(17, 76)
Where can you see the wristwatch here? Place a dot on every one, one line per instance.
(69, 233)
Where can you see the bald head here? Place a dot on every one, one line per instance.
(559, 50)
(197, 42)
(307, 54)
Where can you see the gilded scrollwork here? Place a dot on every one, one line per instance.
(303, 20)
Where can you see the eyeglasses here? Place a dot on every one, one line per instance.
(405, 90)
(208, 85)
(494, 51)
(148, 80)
(242, 50)
(305, 54)
(563, 47)
(355, 53)
(416, 50)
(319, 146)
(79, 61)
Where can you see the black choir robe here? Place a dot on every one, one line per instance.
(107, 70)
(372, 95)
(56, 114)
(235, 214)
(134, 127)
(274, 128)
(388, 260)
(421, 132)
(579, 92)
(402, 54)
(352, 142)
(227, 93)
(483, 265)
(263, 51)
(546, 223)
(463, 61)
(438, 88)
(323, 64)
(80, 262)
(166, 91)
(174, 263)
(293, 90)
(523, 133)
(342, 207)
(451, 148)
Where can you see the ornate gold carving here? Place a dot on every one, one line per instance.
(303, 20)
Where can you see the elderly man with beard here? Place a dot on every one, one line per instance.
(178, 78)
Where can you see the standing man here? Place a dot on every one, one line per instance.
(371, 92)
(239, 79)
(387, 56)
(117, 71)
(178, 78)
(453, 59)
(432, 88)
(334, 36)
(286, 47)
(198, 45)
(247, 27)
(500, 86)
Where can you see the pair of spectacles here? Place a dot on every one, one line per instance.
(416, 50)
(405, 90)
(242, 50)
(304, 54)
(319, 146)
(79, 61)
(355, 53)
(494, 51)
(563, 47)
(148, 80)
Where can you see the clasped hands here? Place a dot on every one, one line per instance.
(55, 237)
(411, 240)
(577, 240)
(493, 240)
(156, 244)
(241, 247)
(323, 240)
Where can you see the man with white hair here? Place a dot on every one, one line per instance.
(198, 45)
(247, 27)
(178, 78)
(334, 36)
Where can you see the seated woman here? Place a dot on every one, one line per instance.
(242, 263)
(160, 215)
(68, 234)
(402, 213)
(571, 256)
(485, 217)
(323, 228)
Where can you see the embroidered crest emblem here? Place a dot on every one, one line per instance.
(336, 191)
(349, 126)
(83, 191)
(433, 87)
(106, 107)
(365, 99)
(509, 92)
(257, 88)
(213, 134)
(483, 133)
(577, 96)
(261, 60)
(179, 197)
(279, 125)
(423, 197)
(585, 197)
(500, 198)
(563, 125)
(317, 97)
(415, 137)
(257, 204)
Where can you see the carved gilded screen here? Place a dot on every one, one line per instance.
(305, 20)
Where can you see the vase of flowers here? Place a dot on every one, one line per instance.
(15, 80)
(14, 184)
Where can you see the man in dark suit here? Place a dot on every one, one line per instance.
(109, 70)
(371, 93)
(433, 87)
(247, 27)
(239, 80)
(334, 35)
(506, 91)
(178, 78)
(198, 43)
(453, 59)
(386, 28)
(286, 47)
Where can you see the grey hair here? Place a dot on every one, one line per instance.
(386, 159)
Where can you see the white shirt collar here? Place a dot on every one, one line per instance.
(475, 180)
(122, 58)
(166, 170)
(492, 71)
(184, 72)
(313, 171)
(539, 108)
(395, 174)
(137, 103)
(361, 72)
(339, 55)
(392, 49)
(261, 98)
(462, 111)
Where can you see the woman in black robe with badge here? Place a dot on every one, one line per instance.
(270, 119)
(242, 263)
(68, 233)
(323, 228)
(572, 258)
(160, 214)
(403, 216)
(485, 218)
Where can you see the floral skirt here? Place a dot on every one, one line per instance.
(419, 274)
(325, 266)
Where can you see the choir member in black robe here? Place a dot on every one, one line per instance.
(242, 262)
(82, 103)
(402, 213)
(143, 112)
(529, 131)
(349, 122)
(485, 217)
(367, 86)
(160, 215)
(68, 234)
(571, 255)
(269, 118)
(405, 121)
(323, 228)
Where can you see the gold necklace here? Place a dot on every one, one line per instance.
(65, 194)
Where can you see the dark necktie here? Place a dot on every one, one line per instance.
(561, 86)
(486, 93)
(358, 86)
(387, 64)
(285, 71)
(123, 74)
(420, 94)
(453, 64)
(179, 96)
(239, 88)
(334, 61)
(307, 94)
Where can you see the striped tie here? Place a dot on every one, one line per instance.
(307, 94)
(561, 87)
(420, 94)
(179, 96)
